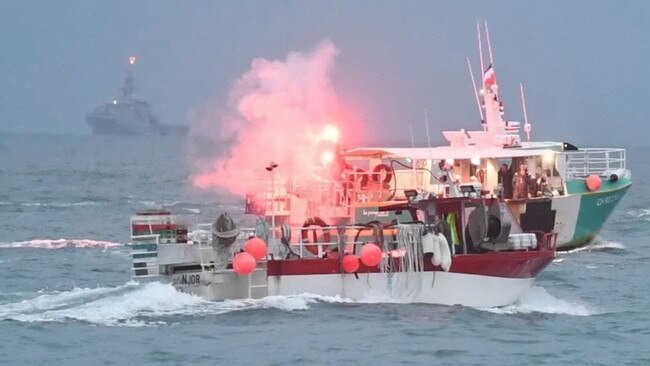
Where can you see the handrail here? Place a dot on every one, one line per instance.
(588, 161)
(545, 241)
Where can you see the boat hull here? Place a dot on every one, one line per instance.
(483, 280)
(581, 215)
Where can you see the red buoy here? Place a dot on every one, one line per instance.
(256, 247)
(350, 263)
(243, 263)
(593, 182)
(370, 255)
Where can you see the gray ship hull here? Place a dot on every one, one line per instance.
(107, 126)
(130, 119)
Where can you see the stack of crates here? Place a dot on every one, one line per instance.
(181, 233)
(148, 230)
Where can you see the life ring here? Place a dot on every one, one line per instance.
(377, 173)
(327, 236)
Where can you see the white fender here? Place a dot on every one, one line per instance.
(436, 260)
(428, 243)
(445, 252)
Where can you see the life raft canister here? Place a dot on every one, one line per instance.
(327, 236)
(377, 173)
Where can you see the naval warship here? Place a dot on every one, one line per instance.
(127, 115)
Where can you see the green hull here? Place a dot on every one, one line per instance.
(595, 208)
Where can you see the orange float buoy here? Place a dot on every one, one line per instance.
(350, 263)
(243, 263)
(593, 182)
(370, 255)
(256, 247)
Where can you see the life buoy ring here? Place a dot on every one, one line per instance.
(327, 236)
(377, 173)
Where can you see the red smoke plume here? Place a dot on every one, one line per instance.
(280, 110)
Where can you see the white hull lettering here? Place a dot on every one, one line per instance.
(607, 200)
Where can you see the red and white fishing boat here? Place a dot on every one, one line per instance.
(412, 259)
(434, 225)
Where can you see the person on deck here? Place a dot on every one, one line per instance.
(543, 189)
(520, 183)
(505, 179)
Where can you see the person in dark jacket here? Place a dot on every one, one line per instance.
(505, 179)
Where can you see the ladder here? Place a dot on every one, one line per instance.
(260, 271)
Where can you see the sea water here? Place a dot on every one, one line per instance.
(66, 296)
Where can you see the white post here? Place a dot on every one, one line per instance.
(273, 204)
(250, 290)
(415, 185)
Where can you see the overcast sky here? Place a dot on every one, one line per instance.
(584, 64)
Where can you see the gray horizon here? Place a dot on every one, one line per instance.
(582, 63)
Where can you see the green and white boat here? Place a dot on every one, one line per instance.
(580, 186)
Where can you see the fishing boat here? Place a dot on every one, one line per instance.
(416, 258)
(471, 223)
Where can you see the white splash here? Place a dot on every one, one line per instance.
(60, 244)
(538, 300)
(156, 204)
(57, 204)
(598, 244)
(639, 213)
(138, 305)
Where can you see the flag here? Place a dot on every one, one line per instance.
(489, 77)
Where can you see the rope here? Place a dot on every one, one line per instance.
(406, 282)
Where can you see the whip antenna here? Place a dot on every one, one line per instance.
(527, 126)
(478, 102)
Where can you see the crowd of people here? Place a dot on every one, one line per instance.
(520, 184)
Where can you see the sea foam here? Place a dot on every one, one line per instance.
(60, 244)
(138, 305)
(538, 300)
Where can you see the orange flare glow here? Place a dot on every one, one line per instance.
(327, 157)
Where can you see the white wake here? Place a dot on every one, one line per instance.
(60, 244)
(134, 304)
(538, 300)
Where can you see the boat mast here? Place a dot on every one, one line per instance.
(480, 49)
(487, 36)
(478, 102)
(128, 90)
(490, 99)
(527, 126)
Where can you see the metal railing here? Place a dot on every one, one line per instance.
(319, 241)
(585, 162)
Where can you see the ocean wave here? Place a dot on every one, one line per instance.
(155, 204)
(538, 300)
(50, 204)
(139, 305)
(598, 244)
(639, 213)
(61, 244)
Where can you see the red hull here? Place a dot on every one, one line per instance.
(500, 264)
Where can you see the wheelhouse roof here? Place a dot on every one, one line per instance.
(444, 152)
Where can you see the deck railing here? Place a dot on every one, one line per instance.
(585, 162)
(318, 244)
